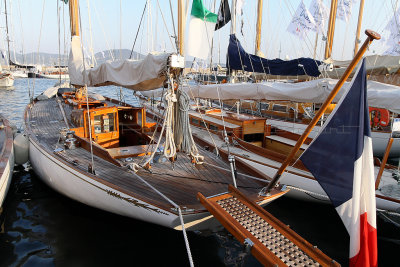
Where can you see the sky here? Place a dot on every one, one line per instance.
(35, 26)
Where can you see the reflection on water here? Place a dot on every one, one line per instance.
(40, 227)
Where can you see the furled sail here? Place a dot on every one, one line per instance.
(375, 64)
(316, 91)
(146, 74)
(239, 59)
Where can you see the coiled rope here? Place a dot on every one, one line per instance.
(183, 133)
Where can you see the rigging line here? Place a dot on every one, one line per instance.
(65, 40)
(104, 33)
(22, 31)
(176, 207)
(90, 35)
(173, 26)
(165, 24)
(308, 44)
(291, 12)
(86, 91)
(205, 124)
(394, 7)
(137, 33)
(40, 35)
(59, 40)
(344, 42)
(120, 29)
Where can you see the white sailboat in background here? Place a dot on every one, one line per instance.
(6, 77)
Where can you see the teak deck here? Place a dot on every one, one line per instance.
(180, 182)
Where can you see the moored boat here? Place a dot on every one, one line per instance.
(6, 157)
(6, 79)
(122, 137)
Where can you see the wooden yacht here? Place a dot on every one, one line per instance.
(61, 142)
(6, 157)
(259, 144)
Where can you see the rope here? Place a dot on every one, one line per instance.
(205, 124)
(168, 122)
(180, 216)
(170, 98)
(183, 133)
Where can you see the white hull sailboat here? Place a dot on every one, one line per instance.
(6, 80)
(302, 183)
(379, 138)
(104, 153)
(115, 187)
(6, 158)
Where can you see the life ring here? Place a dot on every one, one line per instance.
(379, 117)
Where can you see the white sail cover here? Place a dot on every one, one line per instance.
(146, 74)
(376, 65)
(379, 94)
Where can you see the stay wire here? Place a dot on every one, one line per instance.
(137, 33)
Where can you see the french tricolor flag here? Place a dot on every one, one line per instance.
(341, 160)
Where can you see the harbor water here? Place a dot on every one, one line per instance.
(40, 227)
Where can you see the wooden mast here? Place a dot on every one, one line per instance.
(258, 26)
(360, 15)
(181, 15)
(73, 17)
(371, 36)
(8, 36)
(331, 29)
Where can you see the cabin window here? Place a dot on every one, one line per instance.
(104, 123)
(97, 124)
(279, 108)
(257, 137)
(108, 122)
(213, 127)
(203, 124)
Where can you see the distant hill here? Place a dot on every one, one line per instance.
(49, 59)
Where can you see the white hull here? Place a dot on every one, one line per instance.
(307, 188)
(379, 139)
(91, 191)
(55, 76)
(5, 179)
(6, 80)
(310, 190)
(18, 75)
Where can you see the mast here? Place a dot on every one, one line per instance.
(8, 37)
(181, 23)
(73, 17)
(258, 26)
(331, 29)
(360, 15)
(233, 17)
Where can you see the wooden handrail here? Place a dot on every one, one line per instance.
(371, 36)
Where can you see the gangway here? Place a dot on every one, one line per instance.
(272, 242)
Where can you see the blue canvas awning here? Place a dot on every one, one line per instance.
(239, 59)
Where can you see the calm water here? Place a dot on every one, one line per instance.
(40, 227)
